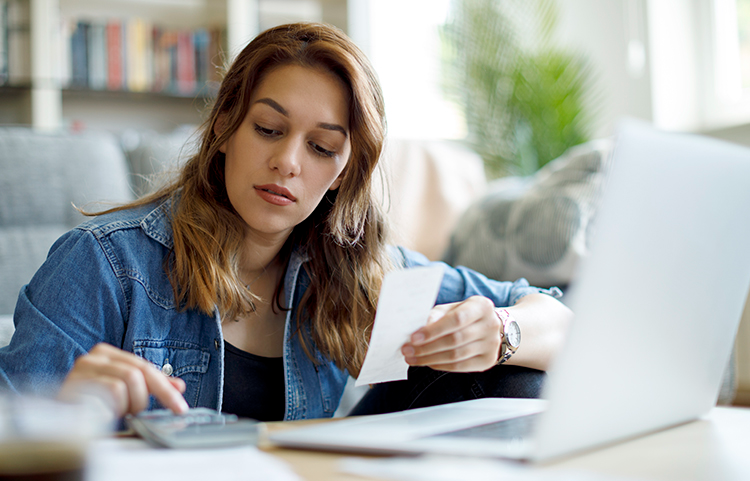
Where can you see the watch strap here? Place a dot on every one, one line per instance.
(506, 349)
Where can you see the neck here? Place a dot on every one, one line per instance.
(259, 257)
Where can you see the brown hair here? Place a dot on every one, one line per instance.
(345, 235)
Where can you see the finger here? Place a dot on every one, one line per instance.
(439, 311)
(107, 360)
(135, 384)
(117, 392)
(455, 317)
(167, 393)
(460, 354)
(178, 383)
(144, 374)
(452, 340)
(124, 380)
(112, 392)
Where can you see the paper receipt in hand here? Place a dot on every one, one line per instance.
(406, 298)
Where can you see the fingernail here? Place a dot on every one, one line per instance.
(407, 351)
(182, 406)
(417, 337)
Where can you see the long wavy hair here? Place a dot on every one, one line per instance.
(345, 236)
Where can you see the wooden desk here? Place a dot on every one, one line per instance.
(714, 448)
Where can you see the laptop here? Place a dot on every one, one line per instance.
(658, 301)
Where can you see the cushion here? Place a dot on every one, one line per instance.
(44, 174)
(536, 227)
(154, 158)
(6, 330)
(428, 184)
(22, 250)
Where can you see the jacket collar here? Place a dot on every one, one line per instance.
(157, 225)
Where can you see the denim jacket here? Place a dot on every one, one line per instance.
(105, 281)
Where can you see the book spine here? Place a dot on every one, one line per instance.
(114, 55)
(97, 56)
(172, 46)
(201, 41)
(79, 55)
(185, 63)
(137, 60)
(3, 42)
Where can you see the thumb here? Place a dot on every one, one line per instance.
(437, 312)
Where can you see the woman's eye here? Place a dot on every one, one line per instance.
(321, 151)
(265, 132)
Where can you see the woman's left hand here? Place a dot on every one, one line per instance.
(459, 337)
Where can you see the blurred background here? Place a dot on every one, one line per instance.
(115, 64)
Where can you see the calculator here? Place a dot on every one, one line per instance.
(196, 428)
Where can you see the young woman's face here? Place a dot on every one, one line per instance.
(290, 149)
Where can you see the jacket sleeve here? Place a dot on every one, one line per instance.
(74, 301)
(460, 283)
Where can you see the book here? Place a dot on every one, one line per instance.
(3, 42)
(185, 63)
(139, 55)
(97, 56)
(133, 54)
(115, 58)
(79, 58)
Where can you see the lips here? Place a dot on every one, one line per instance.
(275, 193)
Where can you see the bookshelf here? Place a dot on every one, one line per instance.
(62, 71)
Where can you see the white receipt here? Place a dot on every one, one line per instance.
(405, 300)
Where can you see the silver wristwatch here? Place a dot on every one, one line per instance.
(511, 335)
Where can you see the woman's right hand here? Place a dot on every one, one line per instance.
(124, 377)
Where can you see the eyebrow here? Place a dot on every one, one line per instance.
(323, 125)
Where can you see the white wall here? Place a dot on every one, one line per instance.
(667, 91)
(609, 33)
(404, 48)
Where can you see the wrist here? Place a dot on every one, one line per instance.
(510, 335)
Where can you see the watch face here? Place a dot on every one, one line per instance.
(513, 334)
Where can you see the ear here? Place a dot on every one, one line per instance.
(218, 129)
(337, 183)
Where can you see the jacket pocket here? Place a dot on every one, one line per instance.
(178, 359)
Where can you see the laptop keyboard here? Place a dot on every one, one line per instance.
(513, 428)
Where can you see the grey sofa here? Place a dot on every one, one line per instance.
(42, 177)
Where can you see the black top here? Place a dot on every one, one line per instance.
(253, 385)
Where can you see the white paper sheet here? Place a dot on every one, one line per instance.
(406, 298)
(454, 468)
(132, 459)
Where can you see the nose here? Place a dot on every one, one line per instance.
(287, 157)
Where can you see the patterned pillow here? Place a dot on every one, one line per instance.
(536, 227)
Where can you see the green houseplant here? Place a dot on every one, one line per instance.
(524, 99)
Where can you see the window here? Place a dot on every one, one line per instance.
(700, 63)
(404, 47)
(727, 92)
(743, 30)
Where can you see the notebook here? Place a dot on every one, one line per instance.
(658, 301)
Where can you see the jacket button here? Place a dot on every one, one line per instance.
(216, 344)
(166, 369)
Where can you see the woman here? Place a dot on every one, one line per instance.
(251, 282)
